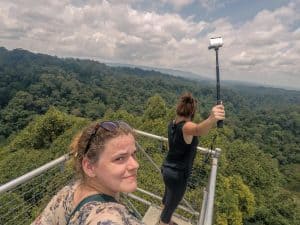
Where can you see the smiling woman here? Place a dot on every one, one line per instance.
(104, 158)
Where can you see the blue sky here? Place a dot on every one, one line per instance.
(261, 38)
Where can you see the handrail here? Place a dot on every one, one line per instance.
(13, 183)
(28, 176)
(161, 138)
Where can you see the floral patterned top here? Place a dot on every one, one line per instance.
(61, 206)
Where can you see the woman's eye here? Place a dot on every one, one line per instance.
(123, 158)
(120, 158)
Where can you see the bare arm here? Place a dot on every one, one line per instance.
(202, 128)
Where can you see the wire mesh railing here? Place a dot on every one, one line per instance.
(22, 199)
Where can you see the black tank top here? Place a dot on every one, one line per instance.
(180, 155)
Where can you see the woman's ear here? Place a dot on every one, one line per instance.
(88, 167)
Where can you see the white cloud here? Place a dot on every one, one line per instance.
(178, 4)
(208, 4)
(265, 48)
(211, 5)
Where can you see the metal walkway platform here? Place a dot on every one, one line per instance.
(153, 213)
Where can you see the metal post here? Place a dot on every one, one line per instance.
(203, 207)
(211, 189)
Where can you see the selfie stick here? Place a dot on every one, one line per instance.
(216, 43)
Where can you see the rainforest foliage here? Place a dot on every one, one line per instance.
(45, 101)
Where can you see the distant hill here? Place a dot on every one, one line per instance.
(260, 140)
(204, 79)
(178, 73)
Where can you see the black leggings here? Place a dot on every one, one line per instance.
(175, 186)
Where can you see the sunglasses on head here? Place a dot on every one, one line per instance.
(110, 126)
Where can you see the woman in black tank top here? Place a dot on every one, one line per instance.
(183, 140)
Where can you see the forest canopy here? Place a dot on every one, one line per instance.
(45, 100)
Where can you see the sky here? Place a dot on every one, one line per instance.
(261, 37)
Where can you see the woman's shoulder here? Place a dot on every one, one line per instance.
(58, 208)
(175, 125)
(109, 213)
(67, 192)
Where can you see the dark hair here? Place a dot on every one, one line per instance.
(91, 141)
(186, 106)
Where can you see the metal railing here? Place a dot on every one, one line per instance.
(28, 176)
(206, 214)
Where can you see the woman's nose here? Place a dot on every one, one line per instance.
(133, 163)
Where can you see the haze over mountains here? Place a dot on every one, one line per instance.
(204, 78)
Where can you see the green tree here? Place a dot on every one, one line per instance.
(42, 132)
(234, 201)
(258, 170)
(155, 108)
